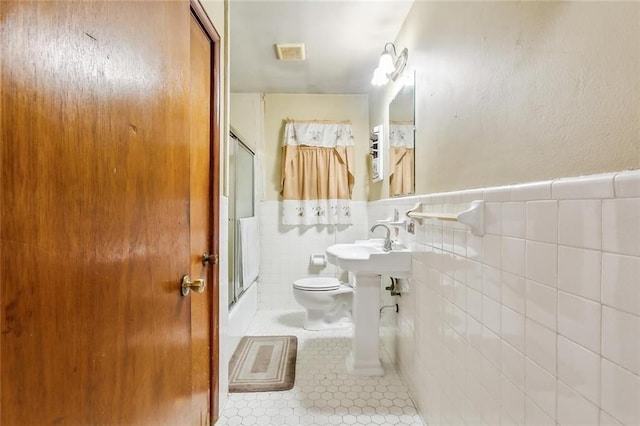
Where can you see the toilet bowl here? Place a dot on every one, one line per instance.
(327, 302)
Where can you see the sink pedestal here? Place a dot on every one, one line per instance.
(364, 358)
(366, 260)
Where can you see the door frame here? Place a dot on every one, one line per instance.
(214, 134)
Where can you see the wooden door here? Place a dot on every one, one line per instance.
(95, 215)
(203, 210)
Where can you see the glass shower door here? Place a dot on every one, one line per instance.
(241, 205)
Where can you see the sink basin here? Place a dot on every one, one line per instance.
(368, 257)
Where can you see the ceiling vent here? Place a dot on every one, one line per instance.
(290, 51)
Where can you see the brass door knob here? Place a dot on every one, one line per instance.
(209, 258)
(196, 285)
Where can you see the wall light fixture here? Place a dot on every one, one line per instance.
(390, 65)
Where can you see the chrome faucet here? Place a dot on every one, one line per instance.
(387, 238)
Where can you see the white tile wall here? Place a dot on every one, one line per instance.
(621, 338)
(542, 263)
(627, 184)
(541, 304)
(580, 223)
(579, 368)
(622, 231)
(513, 220)
(579, 272)
(540, 345)
(620, 393)
(579, 319)
(584, 187)
(573, 409)
(542, 221)
(513, 292)
(285, 252)
(223, 283)
(540, 387)
(542, 326)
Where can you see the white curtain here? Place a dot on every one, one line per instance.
(317, 173)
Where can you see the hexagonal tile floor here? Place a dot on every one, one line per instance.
(323, 394)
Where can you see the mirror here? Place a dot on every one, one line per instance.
(402, 139)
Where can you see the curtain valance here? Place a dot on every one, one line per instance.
(401, 135)
(314, 133)
(317, 173)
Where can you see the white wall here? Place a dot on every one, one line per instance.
(513, 92)
(223, 306)
(537, 321)
(247, 121)
(247, 118)
(218, 13)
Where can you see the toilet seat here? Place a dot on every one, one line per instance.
(317, 284)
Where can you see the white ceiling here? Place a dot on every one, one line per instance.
(343, 41)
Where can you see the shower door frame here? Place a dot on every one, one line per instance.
(236, 287)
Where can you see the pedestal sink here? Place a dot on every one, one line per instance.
(367, 260)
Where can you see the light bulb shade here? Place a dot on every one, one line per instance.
(379, 77)
(390, 65)
(399, 65)
(386, 63)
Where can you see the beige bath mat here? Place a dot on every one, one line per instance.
(263, 364)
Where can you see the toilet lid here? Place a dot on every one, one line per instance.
(317, 283)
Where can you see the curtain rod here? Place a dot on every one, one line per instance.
(291, 120)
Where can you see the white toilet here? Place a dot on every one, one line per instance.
(327, 302)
